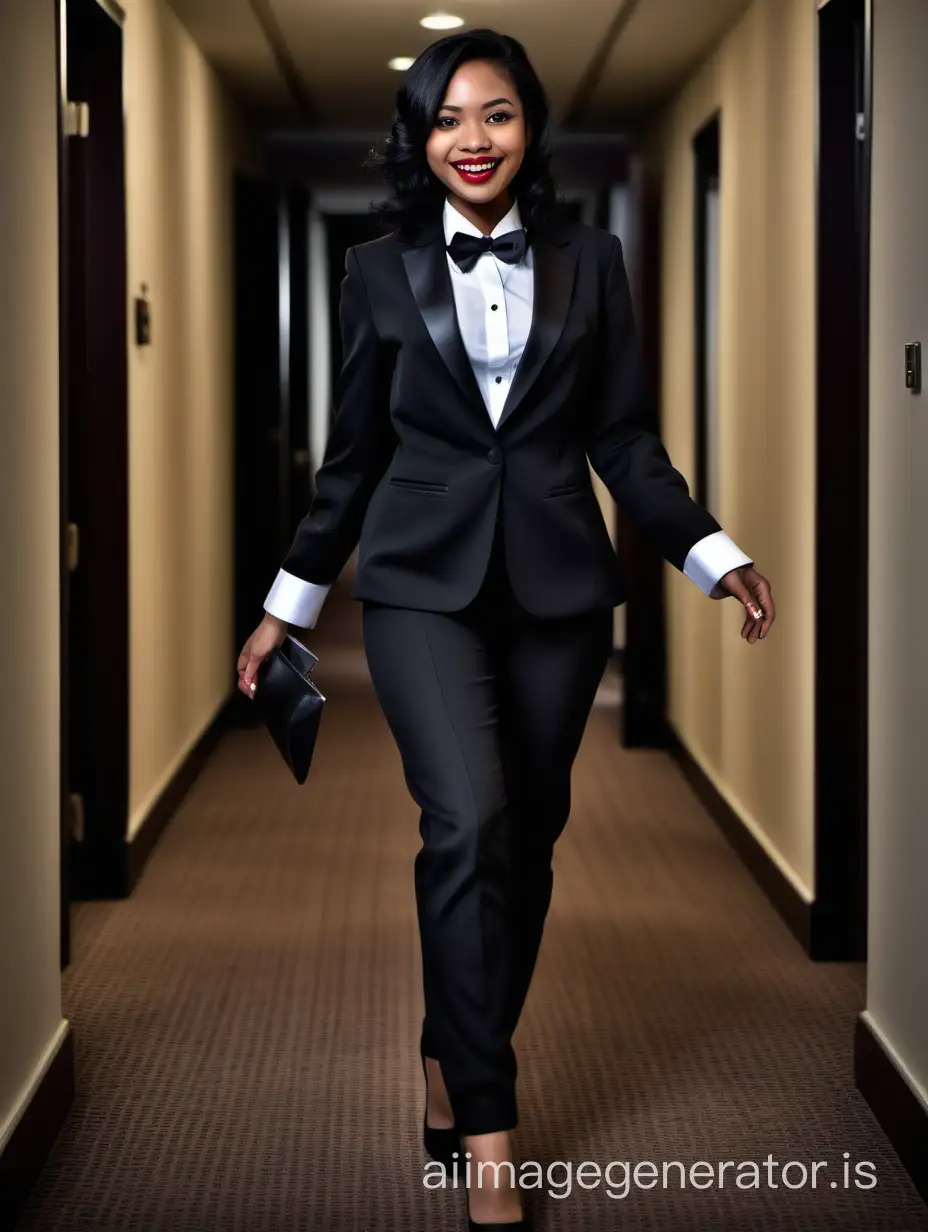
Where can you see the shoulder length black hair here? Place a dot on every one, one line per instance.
(418, 194)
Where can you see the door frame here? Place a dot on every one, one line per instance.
(64, 801)
(706, 147)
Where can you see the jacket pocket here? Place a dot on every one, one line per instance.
(419, 485)
(565, 489)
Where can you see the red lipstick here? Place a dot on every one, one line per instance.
(477, 170)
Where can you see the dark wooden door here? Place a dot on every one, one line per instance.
(273, 464)
(839, 918)
(94, 421)
(342, 231)
(643, 722)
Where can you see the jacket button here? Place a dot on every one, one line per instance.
(493, 455)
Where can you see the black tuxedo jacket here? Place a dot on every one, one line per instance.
(414, 472)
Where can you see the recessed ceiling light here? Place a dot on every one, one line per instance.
(441, 21)
(401, 63)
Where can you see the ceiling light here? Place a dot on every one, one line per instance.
(441, 21)
(401, 63)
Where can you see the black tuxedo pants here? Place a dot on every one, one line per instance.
(487, 707)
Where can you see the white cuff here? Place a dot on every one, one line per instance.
(710, 559)
(296, 601)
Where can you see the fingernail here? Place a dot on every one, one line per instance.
(252, 686)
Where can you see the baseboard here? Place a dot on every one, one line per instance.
(900, 1112)
(146, 836)
(36, 1132)
(796, 912)
(113, 871)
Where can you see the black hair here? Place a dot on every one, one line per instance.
(418, 194)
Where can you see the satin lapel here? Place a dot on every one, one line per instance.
(555, 262)
(430, 281)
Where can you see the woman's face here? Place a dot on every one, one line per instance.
(480, 135)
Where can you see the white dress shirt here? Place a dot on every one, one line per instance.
(494, 303)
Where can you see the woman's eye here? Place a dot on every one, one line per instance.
(498, 117)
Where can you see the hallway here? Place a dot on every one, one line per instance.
(246, 1024)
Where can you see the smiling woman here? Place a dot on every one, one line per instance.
(490, 357)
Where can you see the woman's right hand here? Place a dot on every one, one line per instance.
(269, 634)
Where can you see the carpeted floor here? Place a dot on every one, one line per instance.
(246, 1025)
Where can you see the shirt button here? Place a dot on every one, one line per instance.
(499, 380)
(494, 306)
(493, 455)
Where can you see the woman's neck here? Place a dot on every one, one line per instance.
(486, 216)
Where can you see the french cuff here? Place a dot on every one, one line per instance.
(710, 559)
(295, 601)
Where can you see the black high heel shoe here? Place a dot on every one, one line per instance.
(443, 1145)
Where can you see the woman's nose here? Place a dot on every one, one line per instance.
(474, 139)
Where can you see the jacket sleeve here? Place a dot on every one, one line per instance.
(623, 445)
(358, 450)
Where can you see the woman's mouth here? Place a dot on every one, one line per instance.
(477, 170)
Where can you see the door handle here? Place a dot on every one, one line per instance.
(73, 546)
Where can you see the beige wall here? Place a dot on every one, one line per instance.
(183, 139)
(746, 712)
(897, 974)
(31, 1025)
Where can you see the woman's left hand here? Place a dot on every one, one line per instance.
(753, 591)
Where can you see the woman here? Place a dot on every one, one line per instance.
(479, 376)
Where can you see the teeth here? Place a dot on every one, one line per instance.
(476, 168)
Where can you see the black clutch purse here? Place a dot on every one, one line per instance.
(289, 704)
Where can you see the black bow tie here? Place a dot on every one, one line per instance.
(465, 250)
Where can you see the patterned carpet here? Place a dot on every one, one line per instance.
(246, 1025)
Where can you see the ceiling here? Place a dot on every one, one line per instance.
(323, 63)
